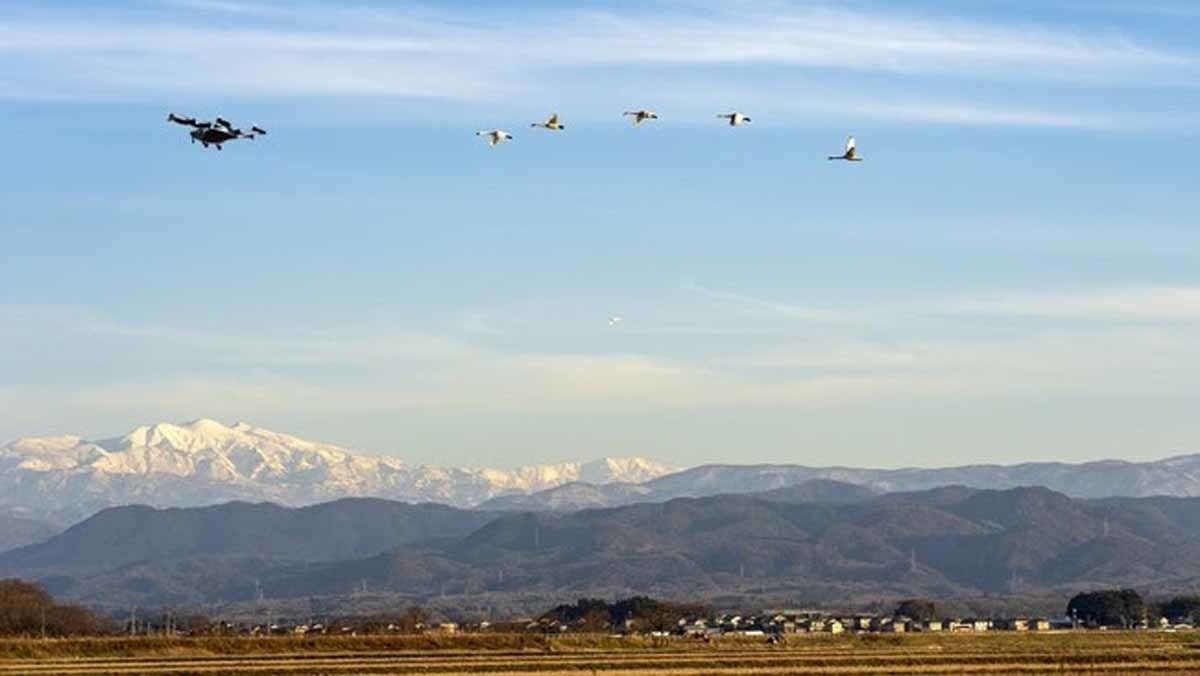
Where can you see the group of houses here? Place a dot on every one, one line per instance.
(780, 622)
(286, 627)
(773, 623)
(351, 628)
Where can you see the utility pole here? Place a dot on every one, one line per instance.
(43, 621)
(258, 591)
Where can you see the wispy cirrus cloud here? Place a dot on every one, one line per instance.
(1122, 303)
(507, 57)
(1147, 303)
(1137, 341)
(225, 6)
(975, 115)
(757, 305)
(715, 314)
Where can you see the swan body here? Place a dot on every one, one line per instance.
(495, 136)
(851, 154)
(736, 119)
(640, 116)
(552, 124)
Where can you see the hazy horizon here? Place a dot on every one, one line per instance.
(1009, 276)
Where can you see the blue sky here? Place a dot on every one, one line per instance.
(1010, 275)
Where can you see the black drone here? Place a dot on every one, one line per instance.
(216, 132)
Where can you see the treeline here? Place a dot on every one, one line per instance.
(1126, 608)
(1181, 609)
(921, 610)
(647, 614)
(26, 609)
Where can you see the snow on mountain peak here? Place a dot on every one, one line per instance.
(43, 445)
(623, 470)
(198, 434)
(205, 461)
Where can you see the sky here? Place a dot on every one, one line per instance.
(1010, 275)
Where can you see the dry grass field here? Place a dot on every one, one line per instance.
(1079, 652)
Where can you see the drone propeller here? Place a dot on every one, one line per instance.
(259, 130)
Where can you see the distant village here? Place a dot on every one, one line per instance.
(643, 616)
(27, 609)
(767, 624)
(797, 621)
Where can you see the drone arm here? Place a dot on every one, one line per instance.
(185, 121)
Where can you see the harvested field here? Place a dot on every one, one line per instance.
(1076, 652)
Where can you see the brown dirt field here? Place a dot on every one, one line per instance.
(1071, 652)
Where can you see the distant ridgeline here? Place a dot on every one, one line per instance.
(1028, 549)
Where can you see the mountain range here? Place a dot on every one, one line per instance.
(343, 529)
(1177, 476)
(820, 542)
(947, 542)
(52, 482)
(64, 479)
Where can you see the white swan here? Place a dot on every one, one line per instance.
(552, 124)
(851, 154)
(735, 118)
(495, 136)
(640, 116)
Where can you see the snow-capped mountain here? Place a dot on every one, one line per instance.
(61, 480)
(66, 478)
(1177, 476)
